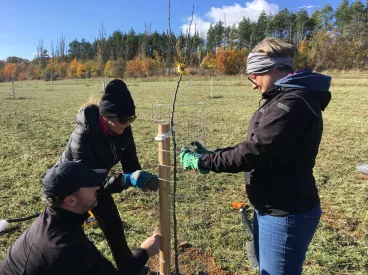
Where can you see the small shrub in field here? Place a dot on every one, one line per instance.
(49, 71)
(72, 68)
(81, 71)
(2, 77)
(88, 68)
(22, 76)
(8, 71)
(301, 60)
(61, 69)
(119, 67)
(141, 67)
(230, 61)
(115, 68)
(148, 66)
(46, 74)
(31, 72)
(108, 68)
(17, 70)
(97, 69)
(209, 61)
(133, 68)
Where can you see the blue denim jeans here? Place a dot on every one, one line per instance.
(281, 242)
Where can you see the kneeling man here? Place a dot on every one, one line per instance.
(55, 243)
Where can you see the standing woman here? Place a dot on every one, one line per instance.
(278, 156)
(102, 138)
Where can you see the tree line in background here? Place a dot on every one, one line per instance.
(327, 39)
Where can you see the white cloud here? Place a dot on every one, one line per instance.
(231, 15)
(198, 24)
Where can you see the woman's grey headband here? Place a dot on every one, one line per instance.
(258, 63)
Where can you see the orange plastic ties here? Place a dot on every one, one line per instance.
(238, 204)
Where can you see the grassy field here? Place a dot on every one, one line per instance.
(36, 126)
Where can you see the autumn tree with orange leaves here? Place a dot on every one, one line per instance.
(72, 69)
(227, 61)
(8, 71)
(230, 61)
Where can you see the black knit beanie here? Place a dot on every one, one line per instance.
(116, 100)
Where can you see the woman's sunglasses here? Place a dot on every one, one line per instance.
(251, 80)
(126, 119)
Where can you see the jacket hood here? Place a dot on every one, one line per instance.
(316, 84)
(88, 118)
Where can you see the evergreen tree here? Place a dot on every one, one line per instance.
(327, 15)
(342, 14)
(131, 45)
(260, 28)
(281, 23)
(211, 39)
(115, 42)
(300, 24)
(218, 31)
(244, 33)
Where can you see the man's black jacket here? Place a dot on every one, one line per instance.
(91, 146)
(279, 153)
(55, 244)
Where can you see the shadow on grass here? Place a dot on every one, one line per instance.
(10, 230)
(17, 98)
(215, 97)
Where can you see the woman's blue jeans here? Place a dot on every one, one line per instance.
(281, 243)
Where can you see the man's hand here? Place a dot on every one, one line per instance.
(151, 184)
(141, 179)
(152, 244)
(190, 160)
(200, 149)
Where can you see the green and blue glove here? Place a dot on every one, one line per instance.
(141, 179)
(190, 160)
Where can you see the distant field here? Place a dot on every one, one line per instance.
(36, 126)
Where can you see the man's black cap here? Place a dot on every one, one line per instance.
(116, 100)
(66, 178)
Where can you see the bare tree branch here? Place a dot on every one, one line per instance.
(187, 60)
(177, 272)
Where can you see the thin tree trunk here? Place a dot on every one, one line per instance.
(13, 89)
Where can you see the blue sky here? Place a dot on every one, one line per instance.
(24, 23)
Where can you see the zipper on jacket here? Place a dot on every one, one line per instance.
(113, 149)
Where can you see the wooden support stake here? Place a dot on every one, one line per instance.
(104, 83)
(211, 86)
(13, 89)
(165, 199)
